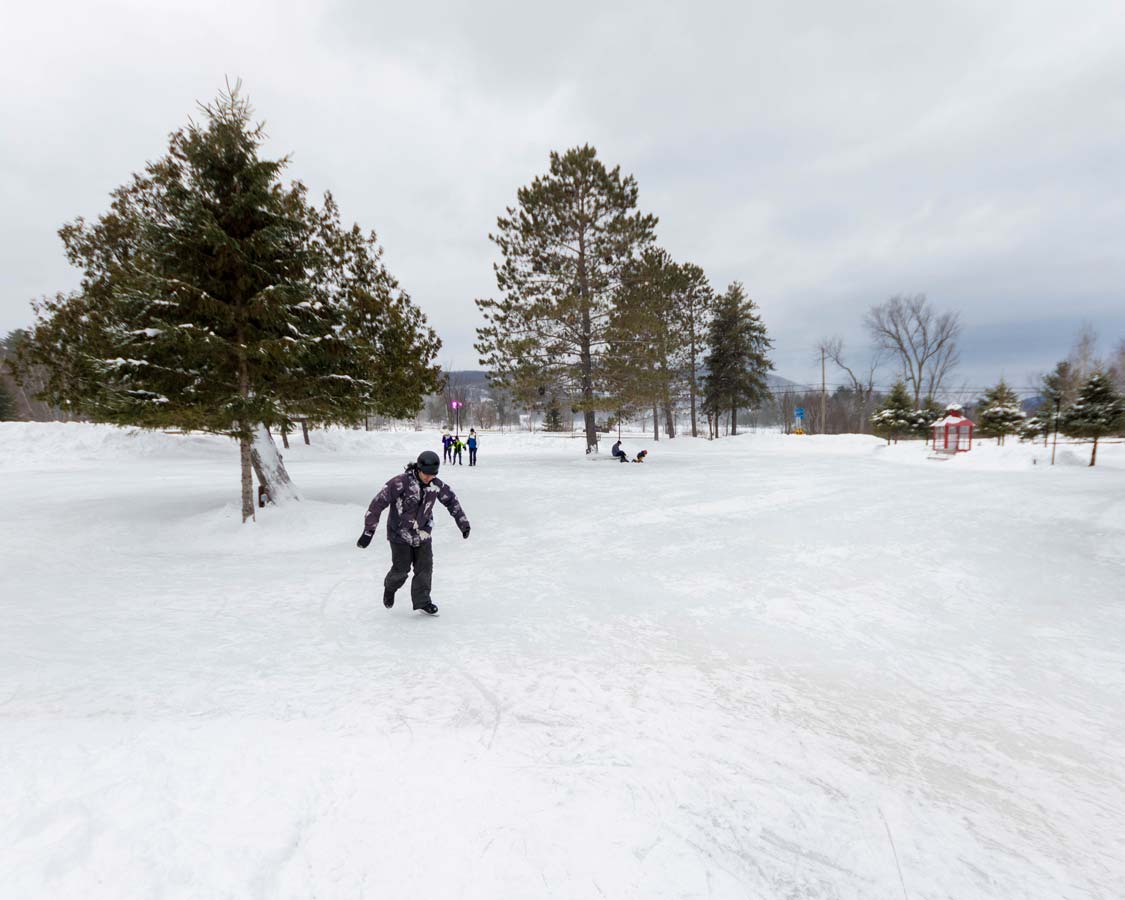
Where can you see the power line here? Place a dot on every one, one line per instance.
(812, 389)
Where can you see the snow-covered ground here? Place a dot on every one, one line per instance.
(760, 667)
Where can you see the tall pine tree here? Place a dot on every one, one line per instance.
(693, 309)
(1098, 412)
(645, 342)
(215, 297)
(564, 248)
(738, 361)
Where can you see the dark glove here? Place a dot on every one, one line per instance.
(365, 539)
(465, 532)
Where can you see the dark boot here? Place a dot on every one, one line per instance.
(401, 558)
(423, 558)
(429, 608)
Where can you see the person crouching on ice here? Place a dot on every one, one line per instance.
(410, 523)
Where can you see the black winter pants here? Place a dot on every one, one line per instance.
(403, 556)
(472, 456)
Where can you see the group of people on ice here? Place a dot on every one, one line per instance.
(453, 446)
(621, 456)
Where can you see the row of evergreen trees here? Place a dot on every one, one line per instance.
(594, 317)
(215, 296)
(1091, 410)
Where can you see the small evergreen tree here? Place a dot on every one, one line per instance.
(1098, 412)
(999, 413)
(1038, 425)
(896, 416)
(924, 418)
(552, 420)
(738, 363)
(1061, 385)
(1058, 390)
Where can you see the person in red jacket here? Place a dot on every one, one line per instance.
(410, 497)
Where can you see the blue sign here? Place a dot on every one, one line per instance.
(800, 412)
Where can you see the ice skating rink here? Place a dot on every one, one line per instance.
(765, 666)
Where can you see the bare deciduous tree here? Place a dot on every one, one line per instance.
(862, 388)
(924, 340)
(455, 389)
(1117, 365)
(1084, 359)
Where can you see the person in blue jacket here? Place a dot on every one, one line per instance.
(447, 445)
(619, 454)
(472, 442)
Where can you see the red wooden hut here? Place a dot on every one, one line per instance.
(954, 433)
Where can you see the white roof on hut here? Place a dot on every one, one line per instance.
(951, 420)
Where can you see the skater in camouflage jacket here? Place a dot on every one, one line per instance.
(411, 497)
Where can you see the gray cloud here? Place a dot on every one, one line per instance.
(826, 154)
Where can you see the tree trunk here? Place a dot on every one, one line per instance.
(587, 356)
(247, 478)
(655, 423)
(588, 390)
(305, 429)
(1094, 454)
(669, 423)
(244, 436)
(691, 391)
(734, 420)
(269, 467)
(285, 437)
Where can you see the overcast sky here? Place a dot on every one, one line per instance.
(827, 154)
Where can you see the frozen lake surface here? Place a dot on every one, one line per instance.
(759, 667)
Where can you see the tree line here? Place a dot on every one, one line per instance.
(216, 296)
(594, 318)
(1082, 398)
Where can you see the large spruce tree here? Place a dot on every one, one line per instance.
(564, 245)
(1098, 412)
(738, 361)
(215, 297)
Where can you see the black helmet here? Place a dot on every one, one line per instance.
(428, 462)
